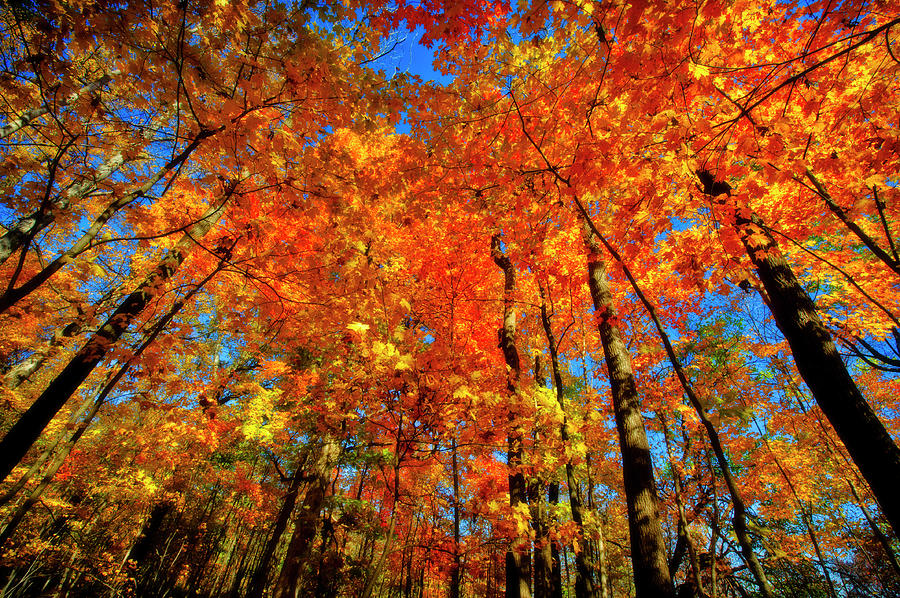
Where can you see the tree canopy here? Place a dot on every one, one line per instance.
(609, 307)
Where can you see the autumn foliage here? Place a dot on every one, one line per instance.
(610, 309)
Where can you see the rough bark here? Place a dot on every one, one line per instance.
(739, 513)
(517, 564)
(819, 363)
(648, 551)
(306, 524)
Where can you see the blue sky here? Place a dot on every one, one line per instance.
(404, 54)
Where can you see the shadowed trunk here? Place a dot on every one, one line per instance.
(307, 519)
(584, 580)
(25, 432)
(648, 550)
(818, 361)
(455, 575)
(517, 564)
(739, 518)
(556, 569)
(261, 574)
(542, 568)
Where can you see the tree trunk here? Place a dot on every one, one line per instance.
(648, 551)
(28, 428)
(94, 404)
(584, 580)
(542, 568)
(307, 520)
(15, 294)
(739, 518)
(18, 374)
(48, 453)
(713, 533)
(868, 442)
(517, 583)
(556, 564)
(247, 553)
(28, 116)
(456, 573)
(261, 574)
(148, 536)
(601, 560)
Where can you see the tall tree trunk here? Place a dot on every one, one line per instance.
(94, 404)
(230, 553)
(247, 553)
(819, 363)
(261, 574)
(28, 428)
(584, 579)
(556, 564)
(456, 573)
(48, 453)
(713, 533)
(59, 452)
(306, 524)
(149, 532)
(542, 568)
(739, 518)
(648, 550)
(517, 585)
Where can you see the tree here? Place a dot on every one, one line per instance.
(254, 268)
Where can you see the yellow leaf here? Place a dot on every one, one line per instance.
(405, 362)
(358, 327)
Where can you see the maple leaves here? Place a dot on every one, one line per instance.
(335, 319)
